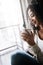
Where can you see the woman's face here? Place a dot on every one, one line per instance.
(32, 18)
(36, 23)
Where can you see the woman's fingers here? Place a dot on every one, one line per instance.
(28, 37)
(25, 37)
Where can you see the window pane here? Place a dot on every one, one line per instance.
(10, 12)
(10, 17)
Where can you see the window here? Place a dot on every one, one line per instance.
(10, 20)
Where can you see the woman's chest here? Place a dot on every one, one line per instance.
(39, 42)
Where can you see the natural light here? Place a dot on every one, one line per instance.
(10, 13)
(10, 20)
(10, 17)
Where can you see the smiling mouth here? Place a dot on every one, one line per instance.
(35, 27)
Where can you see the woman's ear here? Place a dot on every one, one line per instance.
(41, 27)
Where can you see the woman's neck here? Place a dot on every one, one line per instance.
(40, 33)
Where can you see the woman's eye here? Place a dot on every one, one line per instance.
(32, 15)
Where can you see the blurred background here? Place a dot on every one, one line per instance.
(12, 18)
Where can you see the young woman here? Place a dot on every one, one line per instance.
(35, 13)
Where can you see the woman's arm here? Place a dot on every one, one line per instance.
(29, 38)
(38, 52)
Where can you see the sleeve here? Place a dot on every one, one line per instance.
(38, 52)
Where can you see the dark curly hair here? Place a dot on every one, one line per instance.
(37, 7)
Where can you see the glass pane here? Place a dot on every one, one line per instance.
(10, 12)
(10, 17)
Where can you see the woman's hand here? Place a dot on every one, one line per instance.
(28, 37)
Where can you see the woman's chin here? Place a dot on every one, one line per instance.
(41, 37)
